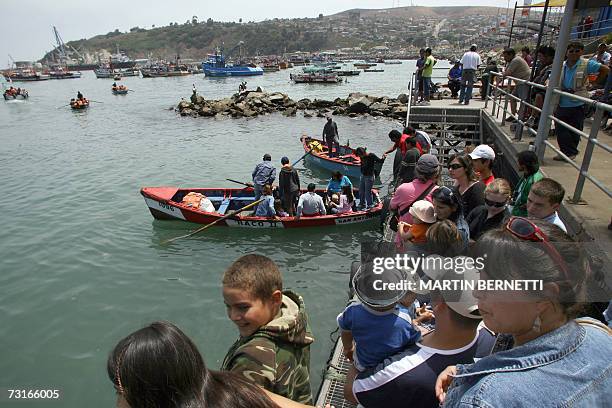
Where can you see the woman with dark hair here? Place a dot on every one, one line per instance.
(448, 206)
(555, 361)
(471, 190)
(159, 366)
(529, 169)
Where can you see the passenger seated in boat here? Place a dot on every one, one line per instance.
(266, 207)
(345, 201)
(310, 204)
(278, 207)
(336, 183)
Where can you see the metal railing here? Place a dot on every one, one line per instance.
(501, 92)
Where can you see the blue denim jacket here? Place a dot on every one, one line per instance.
(568, 367)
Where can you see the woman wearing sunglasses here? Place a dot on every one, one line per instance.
(448, 206)
(490, 215)
(471, 190)
(555, 361)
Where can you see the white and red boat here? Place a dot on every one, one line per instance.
(166, 203)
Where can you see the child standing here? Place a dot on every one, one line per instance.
(273, 350)
(423, 216)
(379, 323)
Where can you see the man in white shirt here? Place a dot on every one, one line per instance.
(544, 200)
(310, 203)
(602, 55)
(470, 61)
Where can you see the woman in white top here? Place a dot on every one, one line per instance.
(346, 201)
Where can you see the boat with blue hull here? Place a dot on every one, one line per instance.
(215, 66)
(346, 162)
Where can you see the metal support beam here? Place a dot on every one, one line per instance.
(555, 76)
(588, 153)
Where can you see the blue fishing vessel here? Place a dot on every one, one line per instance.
(215, 66)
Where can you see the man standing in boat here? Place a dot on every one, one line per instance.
(330, 135)
(264, 173)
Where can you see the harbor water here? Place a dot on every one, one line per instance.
(81, 257)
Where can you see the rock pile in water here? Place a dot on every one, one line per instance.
(254, 103)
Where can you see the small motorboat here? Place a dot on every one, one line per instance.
(166, 203)
(78, 104)
(346, 162)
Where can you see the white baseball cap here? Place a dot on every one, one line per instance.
(438, 268)
(483, 152)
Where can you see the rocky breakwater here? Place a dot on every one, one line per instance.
(254, 103)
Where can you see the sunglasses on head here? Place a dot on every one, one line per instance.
(455, 166)
(526, 230)
(492, 203)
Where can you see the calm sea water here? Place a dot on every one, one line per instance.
(80, 255)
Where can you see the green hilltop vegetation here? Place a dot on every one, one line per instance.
(194, 39)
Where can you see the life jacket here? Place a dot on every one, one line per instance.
(581, 78)
(315, 146)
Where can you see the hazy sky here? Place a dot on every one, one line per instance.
(26, 29)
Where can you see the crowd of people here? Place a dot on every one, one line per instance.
(411, 347)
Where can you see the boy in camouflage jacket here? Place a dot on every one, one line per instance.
(273, 349)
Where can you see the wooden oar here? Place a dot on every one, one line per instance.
(95, 101)
(63, 106)
(301, 158)
(246, 207)
(240, 182)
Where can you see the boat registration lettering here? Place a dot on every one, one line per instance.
(257, 224)
(351, 219)
(166, 206)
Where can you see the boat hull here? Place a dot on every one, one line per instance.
(15, 97)
(346, 163)
(164, 204)
(120, 91)
(225, 72)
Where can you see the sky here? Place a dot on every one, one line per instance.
(26, 29)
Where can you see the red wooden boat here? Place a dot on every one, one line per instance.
(346, 162)
(165, 203)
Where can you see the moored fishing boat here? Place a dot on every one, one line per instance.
(106, 72)
(166, 203)
(348, 72)
(215, 66)
(26, 75)
(61, 73)
(346, 162)
(316, 75)
(364, 65)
